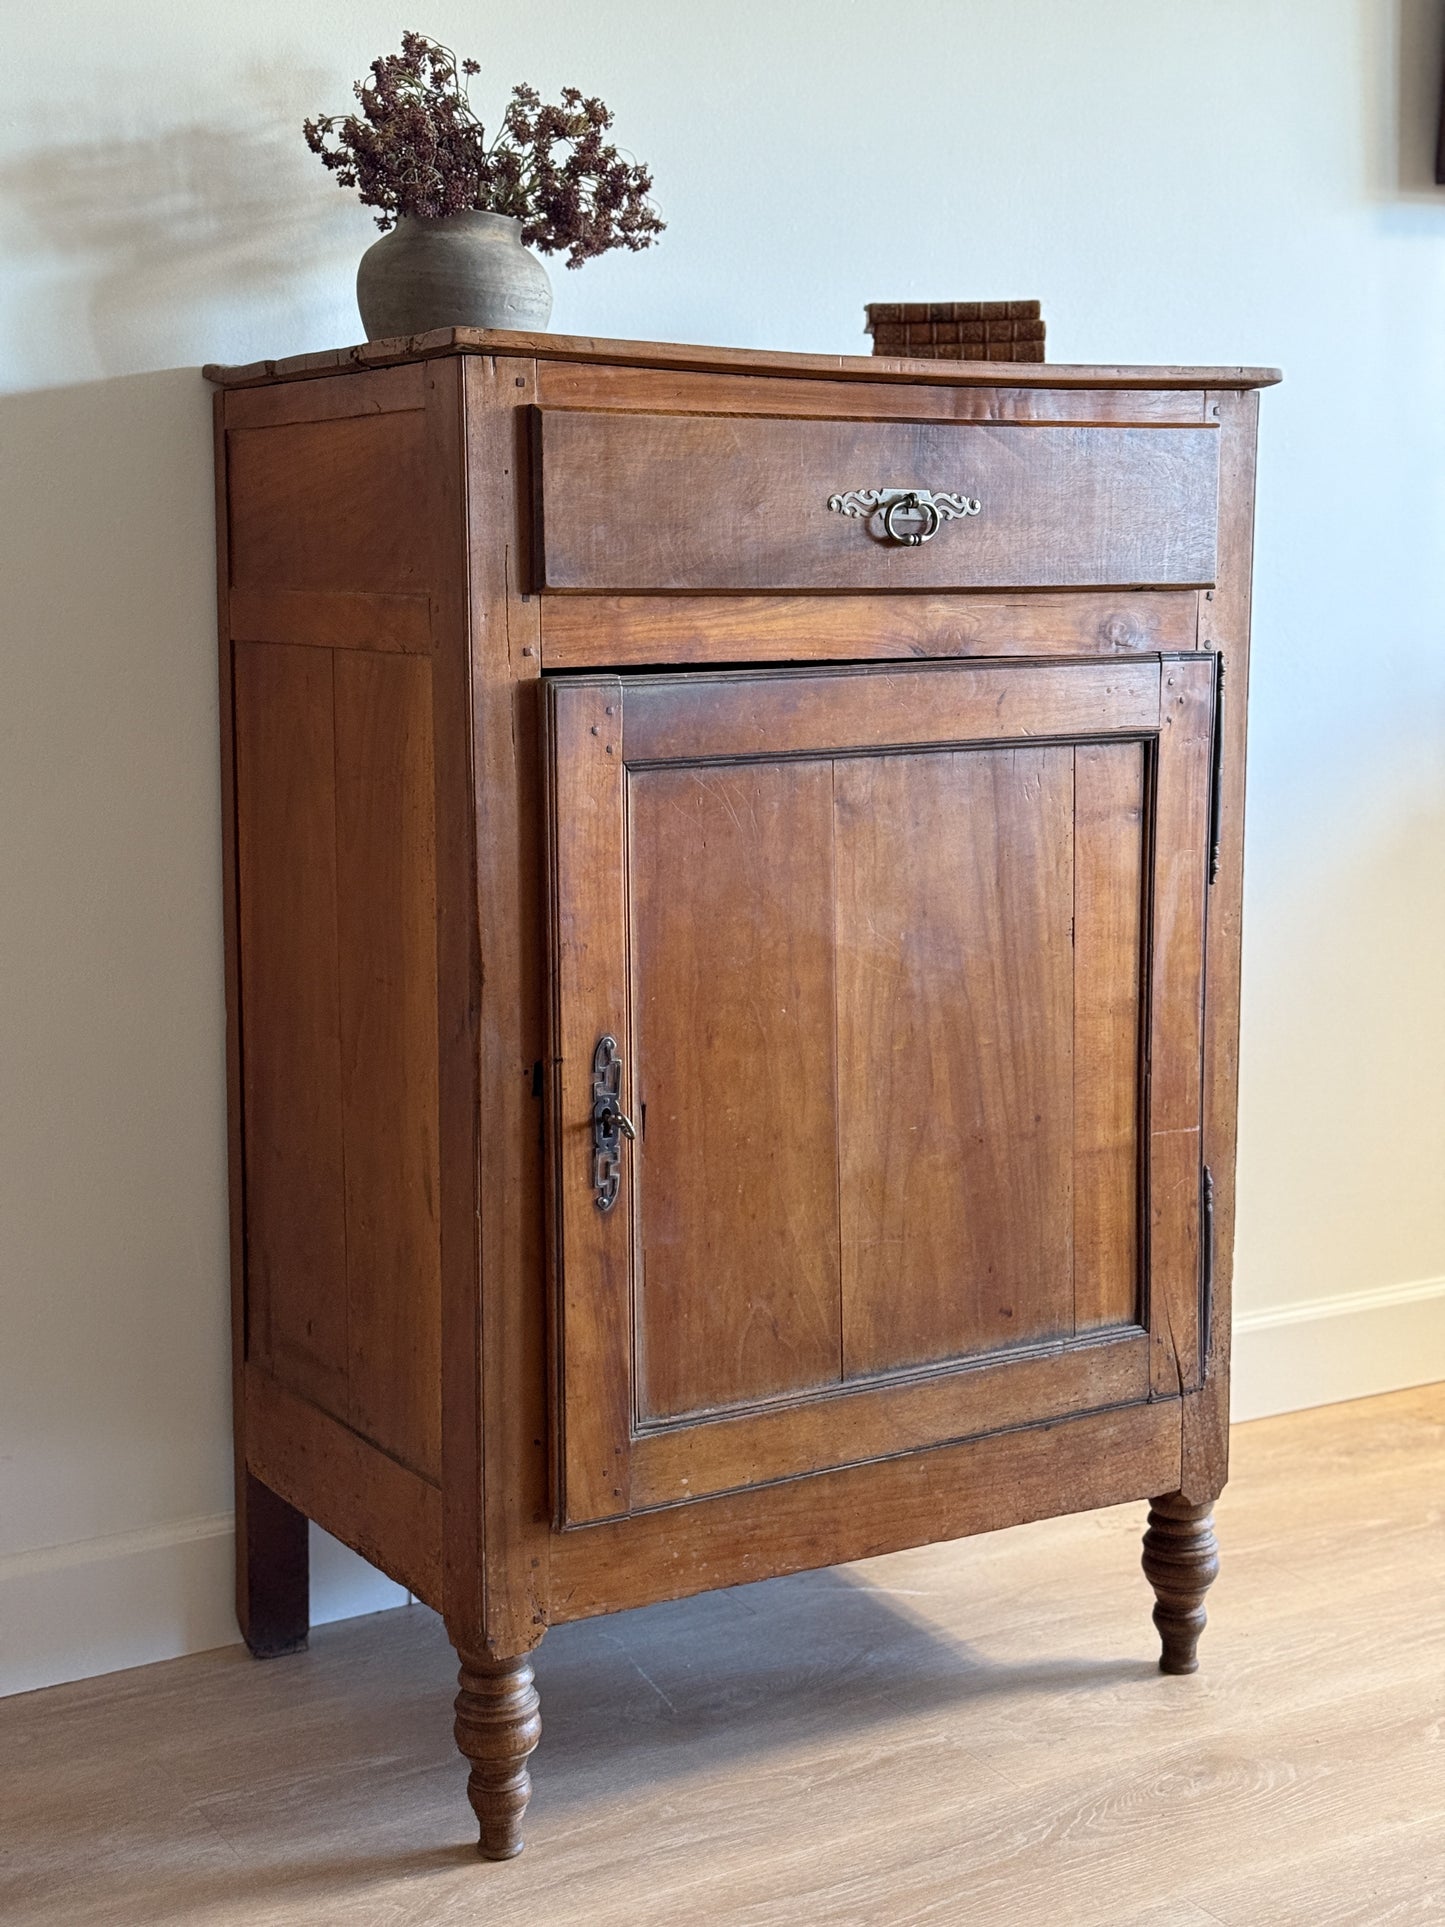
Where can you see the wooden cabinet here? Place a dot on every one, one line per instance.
(733, 876)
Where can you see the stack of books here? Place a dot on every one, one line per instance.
(957, 330)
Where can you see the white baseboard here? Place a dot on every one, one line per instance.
(73, 1611)
(1326, 1350)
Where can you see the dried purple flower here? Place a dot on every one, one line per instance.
(418, 148)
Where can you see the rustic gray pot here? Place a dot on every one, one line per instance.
(464, 271)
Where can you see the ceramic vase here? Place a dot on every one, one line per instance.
(463, 271)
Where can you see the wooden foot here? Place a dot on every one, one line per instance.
(1181, 1562)
(273, 1576)
(498, 1726)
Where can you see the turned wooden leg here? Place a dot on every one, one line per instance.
(1181, 1562)
(273, 1577)
(498, 1726)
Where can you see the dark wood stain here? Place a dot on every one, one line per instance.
(674, 502)
(892, 878)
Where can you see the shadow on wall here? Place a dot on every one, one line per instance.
(151, 245)
(114, 1370)
(113, 1383)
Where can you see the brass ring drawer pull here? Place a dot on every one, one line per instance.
(891, 503)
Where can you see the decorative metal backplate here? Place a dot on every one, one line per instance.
(888, 503)
(607, 1123)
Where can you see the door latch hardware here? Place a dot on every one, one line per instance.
(610, 1123)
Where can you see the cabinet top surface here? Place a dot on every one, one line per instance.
(748, 361)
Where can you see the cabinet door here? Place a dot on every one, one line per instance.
(897, 975)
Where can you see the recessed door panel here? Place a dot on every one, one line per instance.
(955, 1048)
(735, 1287)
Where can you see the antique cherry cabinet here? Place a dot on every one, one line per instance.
(733, 883)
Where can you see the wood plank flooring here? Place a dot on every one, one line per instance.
(966, 1734)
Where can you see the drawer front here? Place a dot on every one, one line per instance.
(650, 503)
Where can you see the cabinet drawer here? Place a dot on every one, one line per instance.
(632, 502)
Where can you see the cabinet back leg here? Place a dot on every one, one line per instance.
(273, 1574)
(498, 1726)
(1181, 1562)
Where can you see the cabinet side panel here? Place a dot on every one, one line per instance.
(330, 583)
(1225, 627)
(295, 1213)
(334, 505)
(1179, 891)
(955, 893)
(1108, 941)
(387, 977)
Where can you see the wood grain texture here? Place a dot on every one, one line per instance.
(380, 525)
(594, 385)
(883, 1419)
(944, 882)
(585, 632)
(857, 1511)
(272, 1539)
(459, 976)
(378, 391)
(488, 342)
(338, 974)
(955, 1043)
(1181, 1563)
(506, 803)
(1179, 888)
(384, 1511)
(1108, 936)
(291, 1087)
(387, 989)
(731, 958)
(330, 505)
(1224, 626)
(333, 619)
(963, 1732)
(590, 1000)
(674, 502)
(498, 1725)
(902, 706)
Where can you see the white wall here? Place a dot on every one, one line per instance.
(1212, 180)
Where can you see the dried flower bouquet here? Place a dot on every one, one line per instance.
(417, 147)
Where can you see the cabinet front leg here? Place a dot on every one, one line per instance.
(1181, 1562)
(498, 1726)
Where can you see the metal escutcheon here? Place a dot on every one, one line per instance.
(610, 1123)
(891, 504)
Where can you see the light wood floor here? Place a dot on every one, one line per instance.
(969, 1734)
